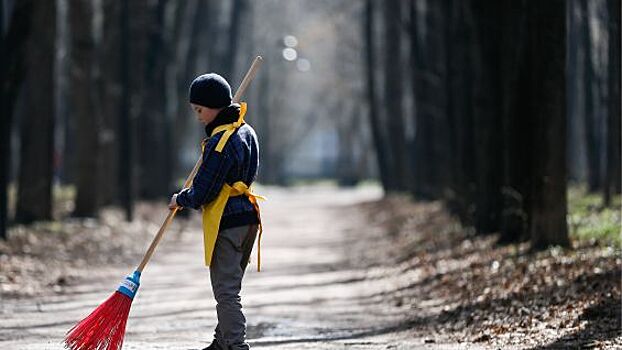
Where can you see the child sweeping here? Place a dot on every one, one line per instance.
(221, 187)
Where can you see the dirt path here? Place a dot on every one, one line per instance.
(306, 297)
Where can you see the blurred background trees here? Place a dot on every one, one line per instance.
(493, 107)
(503, 111)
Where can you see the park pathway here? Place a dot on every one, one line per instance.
(307, 295)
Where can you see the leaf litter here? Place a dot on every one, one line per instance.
(462, 287)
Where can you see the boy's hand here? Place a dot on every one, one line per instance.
(173, 203)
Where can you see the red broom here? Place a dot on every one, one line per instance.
(104, 328)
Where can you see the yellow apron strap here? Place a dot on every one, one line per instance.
(240, 188)
(229, 128)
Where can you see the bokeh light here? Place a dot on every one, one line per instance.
(290, 54)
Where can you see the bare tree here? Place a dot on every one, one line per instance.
(154, 148)
(399, 177)
(12, 71)
(125, 124)
(484, 52)
(458, 78)
(429, 46)
(235, 22)
(515, 126)
(548, 153)
(589, 116)
(373, 111)
(612, 172)
(83, 92)
(34, 200)
(109, 84)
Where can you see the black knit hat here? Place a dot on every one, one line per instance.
(210, 90)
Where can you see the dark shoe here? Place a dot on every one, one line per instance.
(213, 346)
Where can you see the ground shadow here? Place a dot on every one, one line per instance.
(604, 323)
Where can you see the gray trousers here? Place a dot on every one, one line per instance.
(229, 260)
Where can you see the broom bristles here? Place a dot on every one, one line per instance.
(104, 328)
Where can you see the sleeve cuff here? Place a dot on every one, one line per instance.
(181, 198)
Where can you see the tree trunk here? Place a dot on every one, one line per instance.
(374, 118)
(398, 178)
(612, 175)
(125, 124)
(235, 22)
(431, 97)
(5, 129)
(547, 60)
(143, 26)
(515, 123)
(216, 47)
(12, 71)
(83, 89)
(34, 196)
(190, 60)
(589, 117)
(459, 113)
(486, 112)
(154, 147)
(574, 89)
(418, 71)
(109, 52)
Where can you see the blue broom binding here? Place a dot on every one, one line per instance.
(129, 286)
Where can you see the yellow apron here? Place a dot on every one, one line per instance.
(212, 212)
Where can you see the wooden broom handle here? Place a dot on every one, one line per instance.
(250, 75)
(252, 71)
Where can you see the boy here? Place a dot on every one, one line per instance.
(221, 186)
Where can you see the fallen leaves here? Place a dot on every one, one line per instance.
(501, 295)
(46, 257)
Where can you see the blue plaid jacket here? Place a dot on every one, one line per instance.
(238, 161)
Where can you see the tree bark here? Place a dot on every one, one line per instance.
(431, 101)
(154, 143)
(125, 123)
(5, 129)
(12, 71)
(190, 60)
(398, 178)
(374, 118)
(574, 90)
(486, 112)
(417, 61)
(459, 113)
(108, 52)
(589, 117)
(547, 60)
(515, 122)
(235, 22)
(83, 90)
(612, 176)
(216, 48)
(142, 28)
(34, 194)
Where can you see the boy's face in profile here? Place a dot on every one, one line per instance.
(205, 115)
